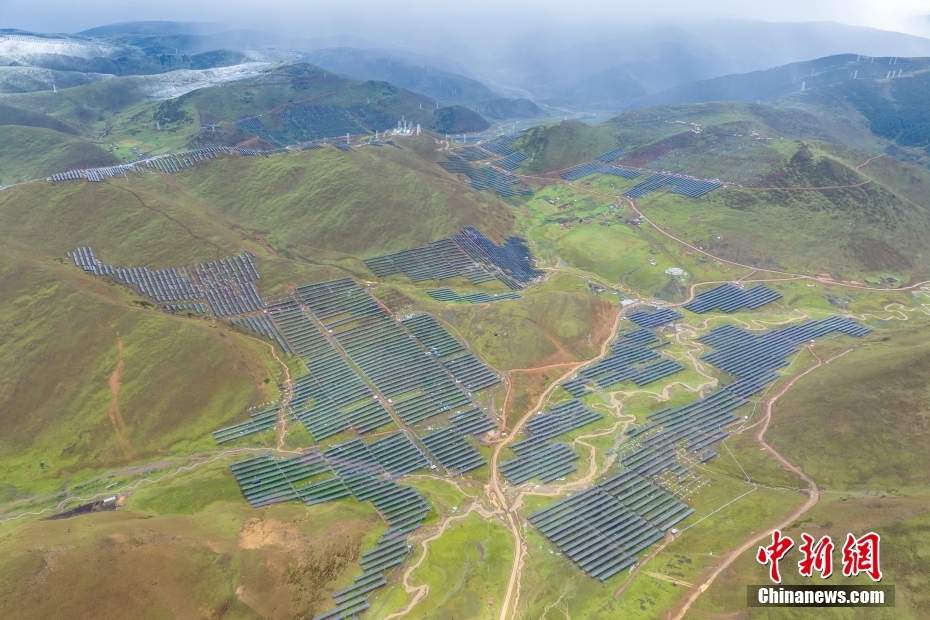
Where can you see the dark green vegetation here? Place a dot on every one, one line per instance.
(893, 110)
(118, 110)
(456, 119)
(30, 152)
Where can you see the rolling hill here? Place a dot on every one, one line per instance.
(31, 152)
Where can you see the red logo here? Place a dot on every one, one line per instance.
(773, 553)
(861, 556)
(817, 557)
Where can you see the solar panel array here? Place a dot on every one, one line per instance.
(415, 383)
(513, 258)
(547, 461)
(453, 451)
(498, 148)
(437, 261)
(472, 422)
(262, 324)
(471, 373)
(350, 469)
(696, 425)
(331, 397)
(257, 422)
(227, 285)
(537, 456)
(471, 153)
(730, 297)
(631, 359)
(590, 168)
(512, 161)
(314, 122)
(612, 155)
(679, 185)
(604, 528)
(168, 163)
(447, 294)
(509, 138)
(503, 183)
(754, 358)
(468, 253)
(654, 318)
(692, 428)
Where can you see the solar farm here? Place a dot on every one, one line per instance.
(407, 383)
(449, 295)
(730, 297)
(225, 287)
(633, 357)
(467, 253)
(487, 177)
(586, 170)
(676, 184)
(744, 160)
(315, 122)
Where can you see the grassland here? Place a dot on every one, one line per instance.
(119, 110)
(31, 152)
(314, 215)
(190, 548)
(857, 427)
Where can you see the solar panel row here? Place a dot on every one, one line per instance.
(226, 285)
(453, 451)
(730, 297)
(654, 318)
(437, 261)
(447, 294)
(604, 528)
(590, 168)
(612, 155)
(512, 161)
(679, 185)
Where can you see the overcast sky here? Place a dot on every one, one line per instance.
(310, 18)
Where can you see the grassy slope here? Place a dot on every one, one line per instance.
(58, 357)
(31, 152)
(849, 233)
(855, 233)
(119, 106)
(364, 203)
(10, 115)
(858, 427)
(158, 221)
(188, 548)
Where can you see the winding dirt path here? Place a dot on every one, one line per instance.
(113, 412)
(421, 591)
(813, 493)
(494, 487)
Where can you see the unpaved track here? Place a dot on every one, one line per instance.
(494, 490)
(623, 199)
(813, 493)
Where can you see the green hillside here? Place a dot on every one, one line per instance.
(119, 108)
(456, 119)
(31, 152)
(10, 115)
(893, 111)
